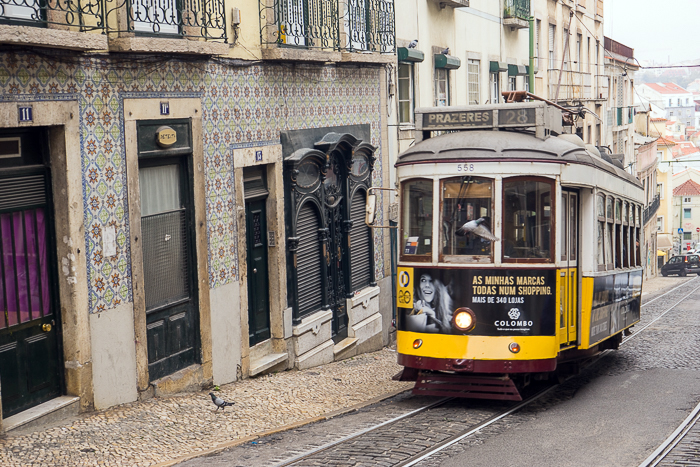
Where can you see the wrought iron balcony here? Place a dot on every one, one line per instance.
(572, 85)
(81, 15)
(517, 9)
(175, 18)
(650, 211)
(367, 25)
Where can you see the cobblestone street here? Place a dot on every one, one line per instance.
(158, 431)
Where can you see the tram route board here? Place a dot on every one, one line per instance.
(490, 116)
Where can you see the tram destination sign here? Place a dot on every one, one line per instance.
(458, 119)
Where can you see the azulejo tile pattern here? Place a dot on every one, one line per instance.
(241, 105)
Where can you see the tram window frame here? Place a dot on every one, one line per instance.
(427, 209)
(638, 224)
(625, 235)
(610, 222)
(618, 234)
(468, 239)
(508, 228)
(600, 211)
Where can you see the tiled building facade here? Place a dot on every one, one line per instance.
(97, 115)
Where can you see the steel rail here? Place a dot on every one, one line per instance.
(671, 442)
(457, 438)
(325, 447)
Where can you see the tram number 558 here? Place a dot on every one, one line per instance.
(465, 168)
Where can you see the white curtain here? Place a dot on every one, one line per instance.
(160, 189)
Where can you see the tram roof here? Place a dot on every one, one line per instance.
(489, 145)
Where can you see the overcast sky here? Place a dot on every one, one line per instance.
(656, 30)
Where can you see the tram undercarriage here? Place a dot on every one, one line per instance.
(494, 379)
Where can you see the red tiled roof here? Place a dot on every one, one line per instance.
(684, 151)
(666, 88)
(665, 141)
(687, 188)
(658, 119)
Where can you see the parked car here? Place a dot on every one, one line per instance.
(682, 265)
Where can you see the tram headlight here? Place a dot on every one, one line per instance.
(417, 343)
(464, 319)
(514, 347)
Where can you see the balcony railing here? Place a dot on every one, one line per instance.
(573, 85)
(82, 15)
(517, 9)
(367, 25)
(177, 18)
(650, 211)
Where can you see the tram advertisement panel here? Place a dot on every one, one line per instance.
(504, 301)
(616, 303)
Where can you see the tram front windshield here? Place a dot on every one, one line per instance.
(467, 227)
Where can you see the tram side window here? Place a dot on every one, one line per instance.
(417, 218)
(625, 235)
(638, 223)
(466, 218)
(527, 219)
(618, 234)
(609, 232)
(600, 211)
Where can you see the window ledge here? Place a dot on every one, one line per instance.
(301, 55)
(163, 45)
(367, 57)
(48, 37)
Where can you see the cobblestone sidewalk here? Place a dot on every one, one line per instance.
(162, 430)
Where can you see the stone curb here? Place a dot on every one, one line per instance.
(291, 426)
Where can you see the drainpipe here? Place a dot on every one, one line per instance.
(531, 68)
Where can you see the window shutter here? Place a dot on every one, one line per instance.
(360, 246)
(309, 285)
(22, 192)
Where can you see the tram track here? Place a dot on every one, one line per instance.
(319, 455)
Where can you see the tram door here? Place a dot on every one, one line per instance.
(568, 280)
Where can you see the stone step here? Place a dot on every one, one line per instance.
(343, 346)
(50, 412)
(266, 362)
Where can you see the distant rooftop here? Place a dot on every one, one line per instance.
(666, 88)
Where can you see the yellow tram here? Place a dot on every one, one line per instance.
(519, 250)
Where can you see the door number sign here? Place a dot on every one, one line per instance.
(25, 113)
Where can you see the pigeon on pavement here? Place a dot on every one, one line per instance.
(476, 227)
(219, 402)
(446, 51)
(413, 44)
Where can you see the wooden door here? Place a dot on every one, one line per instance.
(30, 359)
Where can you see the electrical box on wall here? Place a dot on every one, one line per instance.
(235, 16)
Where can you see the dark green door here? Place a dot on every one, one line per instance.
(168, 263)
(258, 298)
(29, 339)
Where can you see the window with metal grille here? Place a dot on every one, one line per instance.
(473, 81)
(309, 284)
(360, 243)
